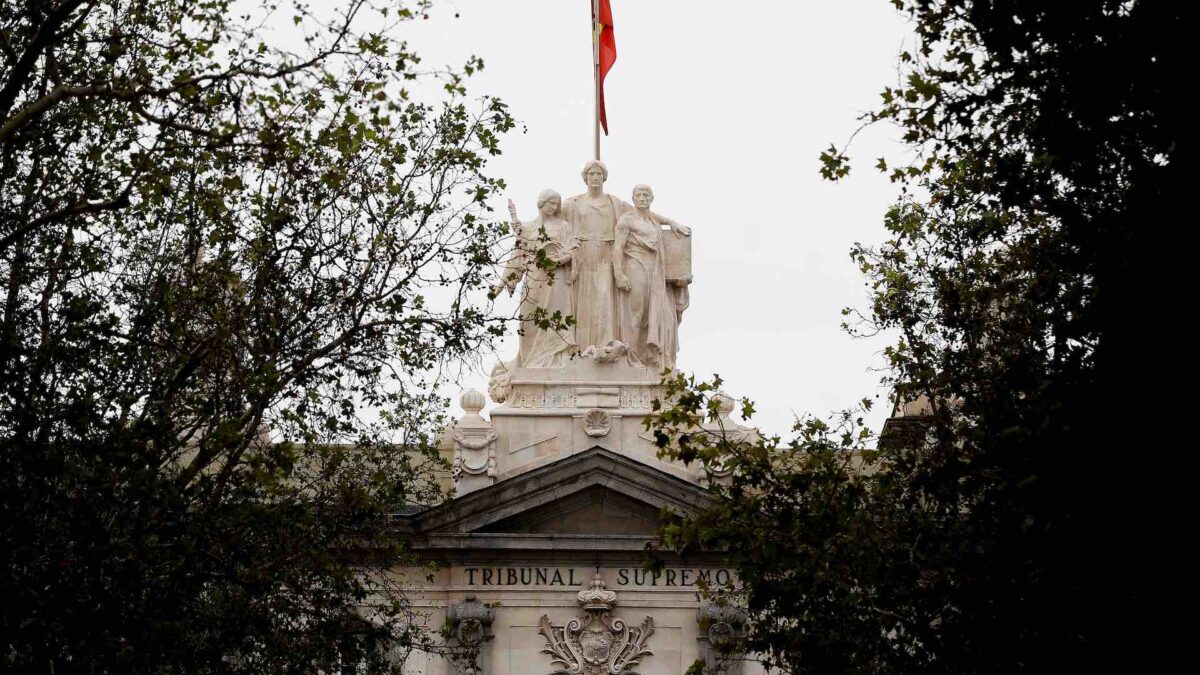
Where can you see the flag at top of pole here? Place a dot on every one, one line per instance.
(604, 55)
(606, 51)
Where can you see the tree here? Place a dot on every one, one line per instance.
(235, 249)
(1013, 526)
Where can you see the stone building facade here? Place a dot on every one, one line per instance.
(540, 566)
(539, 557)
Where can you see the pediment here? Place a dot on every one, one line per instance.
(595, 492)
(595, 510)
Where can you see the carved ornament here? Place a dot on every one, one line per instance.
(597, 423)
(597, 643)
(470, 623)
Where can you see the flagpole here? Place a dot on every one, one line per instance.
(596, 72)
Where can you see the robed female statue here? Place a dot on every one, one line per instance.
(542, 256)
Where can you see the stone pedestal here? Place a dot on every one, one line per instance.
(474, 447)
(550, 413)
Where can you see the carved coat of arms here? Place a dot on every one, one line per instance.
(598, 643)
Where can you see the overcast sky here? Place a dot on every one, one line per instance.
(723, 110)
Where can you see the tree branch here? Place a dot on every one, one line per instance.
(45, 34)
(42, 104)
(79, 208)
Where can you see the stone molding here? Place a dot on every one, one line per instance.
(596, 466)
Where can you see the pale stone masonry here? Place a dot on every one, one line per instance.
(559, 492)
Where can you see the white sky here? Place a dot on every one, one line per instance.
(723, 108)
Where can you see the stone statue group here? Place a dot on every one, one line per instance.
(620, 269)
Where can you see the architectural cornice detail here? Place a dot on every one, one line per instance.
(596, 466)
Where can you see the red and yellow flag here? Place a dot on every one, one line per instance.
(607, 50)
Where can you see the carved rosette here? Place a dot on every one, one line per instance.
(597, 643)
(470, 623)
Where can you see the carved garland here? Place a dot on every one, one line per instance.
(467, 441)
(598, 643)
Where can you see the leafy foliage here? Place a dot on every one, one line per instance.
(209, 242)
(1005, 522)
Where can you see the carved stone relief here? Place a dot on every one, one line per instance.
(541, 396)
(597, 423)
(598, 643)
(470, 625)
(722, 627)
(474, 441)
(609, 352)
(500, 383)
(638, 398)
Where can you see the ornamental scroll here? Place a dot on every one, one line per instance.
(598, 643)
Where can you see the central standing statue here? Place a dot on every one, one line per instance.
(593, 216)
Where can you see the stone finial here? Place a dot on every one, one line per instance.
(725, 404)
(728, 429)
(596, 598)
(472, 402)
(474, 446)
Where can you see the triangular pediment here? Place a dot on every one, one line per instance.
(595, 492)
(595, 510)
